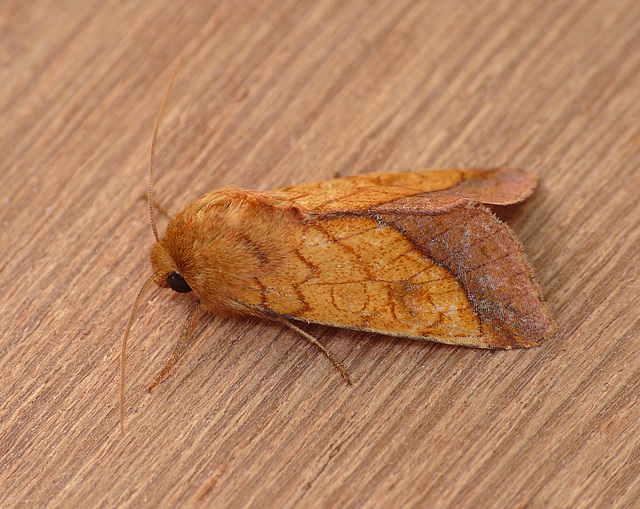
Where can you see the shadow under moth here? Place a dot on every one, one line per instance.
(413, 254)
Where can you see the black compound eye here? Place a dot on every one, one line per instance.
(177, 283)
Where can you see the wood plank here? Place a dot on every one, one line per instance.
(273, 94)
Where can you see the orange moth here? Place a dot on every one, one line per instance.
(412, 254)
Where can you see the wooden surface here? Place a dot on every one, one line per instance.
(274, 93)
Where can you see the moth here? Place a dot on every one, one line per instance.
(412, 254)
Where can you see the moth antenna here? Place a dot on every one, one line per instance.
(124, 346)
(153, 151)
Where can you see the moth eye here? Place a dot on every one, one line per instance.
(177, 283)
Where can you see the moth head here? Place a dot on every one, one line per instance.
(167, 273)
(173, 280)
(205, 249)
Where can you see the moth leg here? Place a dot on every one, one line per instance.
(328, 353)
(159, 208)
(186, 334)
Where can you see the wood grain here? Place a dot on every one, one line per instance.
(273, 94)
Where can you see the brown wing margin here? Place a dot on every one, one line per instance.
(487, 261)
(417, 191)
(496, 186)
